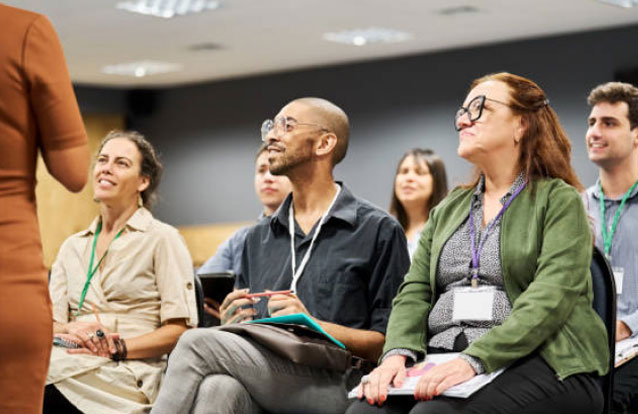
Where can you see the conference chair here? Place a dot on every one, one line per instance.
(199, 298)
(605, 305)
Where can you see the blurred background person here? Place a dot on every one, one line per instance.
(122, 291)
(420, 183)
(38, 112)
(271, 191)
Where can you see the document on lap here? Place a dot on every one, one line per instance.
(463, 390)
(626, 350)
(300, 319)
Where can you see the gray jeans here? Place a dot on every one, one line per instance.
(216, 372)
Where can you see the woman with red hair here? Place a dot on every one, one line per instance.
(524, 301)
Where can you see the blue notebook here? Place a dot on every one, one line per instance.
(300, 319)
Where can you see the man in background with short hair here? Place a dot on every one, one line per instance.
(271, 190)
(612, 144)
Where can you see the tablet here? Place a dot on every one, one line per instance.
(217, 285)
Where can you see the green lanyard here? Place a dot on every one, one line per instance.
(607, 236)
(90, 273)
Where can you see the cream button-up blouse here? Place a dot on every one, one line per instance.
(145, 280)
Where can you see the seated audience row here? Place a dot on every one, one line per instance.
(523, 161)
(499, 273)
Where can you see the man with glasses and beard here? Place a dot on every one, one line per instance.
(342, 259)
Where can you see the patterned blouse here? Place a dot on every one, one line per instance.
(453, 271)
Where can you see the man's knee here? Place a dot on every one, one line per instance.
(187, 340)
(236, 398)
(221, 385)
(196, 338)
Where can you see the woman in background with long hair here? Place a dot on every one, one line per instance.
(420, 183)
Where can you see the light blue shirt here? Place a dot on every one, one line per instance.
(624, 247)
(228, 255)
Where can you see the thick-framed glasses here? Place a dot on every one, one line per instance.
(282, 125)
(474, 109)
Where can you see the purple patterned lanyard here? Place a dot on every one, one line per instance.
(477, 252)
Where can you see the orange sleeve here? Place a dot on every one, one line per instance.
(51, 94)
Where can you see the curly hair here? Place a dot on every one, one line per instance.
(151, 167)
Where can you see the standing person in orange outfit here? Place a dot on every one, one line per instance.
(38, 112)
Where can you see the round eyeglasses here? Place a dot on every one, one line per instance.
(281, 125)
(474, 109)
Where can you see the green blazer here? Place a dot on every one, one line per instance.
(546, 249)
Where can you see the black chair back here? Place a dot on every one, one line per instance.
(199, 297)
(605, 305)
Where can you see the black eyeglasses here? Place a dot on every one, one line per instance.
(474, 109)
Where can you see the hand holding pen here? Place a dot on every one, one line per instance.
(285, 303)
(103, 339)
(280, 302)
(237, 307)
(93, 337)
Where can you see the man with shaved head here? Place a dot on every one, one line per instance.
(342, 258)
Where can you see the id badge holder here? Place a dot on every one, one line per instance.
(473, 304)
(619, 274)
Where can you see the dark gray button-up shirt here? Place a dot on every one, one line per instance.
(357, 263)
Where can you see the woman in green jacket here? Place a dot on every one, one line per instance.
(501, 273)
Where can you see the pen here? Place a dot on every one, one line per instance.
(97, 315)
(99, 333)
(276, 292)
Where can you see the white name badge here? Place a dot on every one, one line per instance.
(619, 274)
(473, 304)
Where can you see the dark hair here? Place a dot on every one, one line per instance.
(545, 147)
(439, 182)
(151, 167)
(262, 148)
(614, 92)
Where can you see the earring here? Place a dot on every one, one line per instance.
(140, 201)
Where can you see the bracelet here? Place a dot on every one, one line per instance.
(121, 351)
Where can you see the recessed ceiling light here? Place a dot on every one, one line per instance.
(141, 68)
(167, 8)
(361, 37)
(205, 46)
(627, 4)
(456, 10)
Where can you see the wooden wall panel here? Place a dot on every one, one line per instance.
(202, 241)
(61, 213)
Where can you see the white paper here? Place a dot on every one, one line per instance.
(626, 349)
(462, 390)
(473, 304)
(619, 274)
